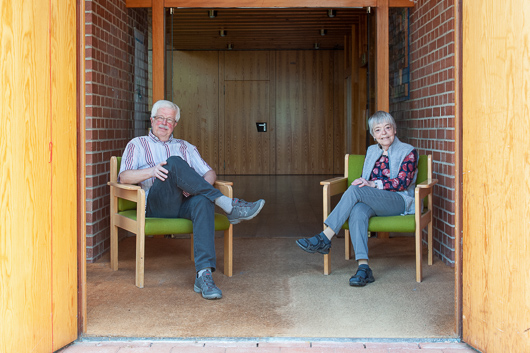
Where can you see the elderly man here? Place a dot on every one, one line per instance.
(178, 183)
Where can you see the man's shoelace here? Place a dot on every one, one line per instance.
(208, 281)
(243, 203)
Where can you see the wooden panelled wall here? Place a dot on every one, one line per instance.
(38, 169)
(298, 94)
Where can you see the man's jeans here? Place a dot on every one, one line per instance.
(356, 206)
(166, 200)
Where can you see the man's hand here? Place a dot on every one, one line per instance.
(135, 176)
(160, 172)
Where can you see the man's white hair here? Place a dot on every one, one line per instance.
(165, 104)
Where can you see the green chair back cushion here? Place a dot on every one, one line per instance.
(398, 224)
(355, 167)
(124, 205)
(423, 165)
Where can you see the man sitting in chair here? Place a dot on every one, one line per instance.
(178, 183)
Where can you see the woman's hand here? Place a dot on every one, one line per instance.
(363, 182)
(160, 172)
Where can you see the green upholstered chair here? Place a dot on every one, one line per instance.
(398, 224)
(124, 213)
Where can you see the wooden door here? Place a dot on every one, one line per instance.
(247, 149)
(304, 112)
(38, 169)
(247, 101)
(496, 180)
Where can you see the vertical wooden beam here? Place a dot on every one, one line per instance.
(357, 123)
(363, 87)
(382, 65)
(347, 96)
(81, 171)
(459, 39)
(159, 52)
(359, 93)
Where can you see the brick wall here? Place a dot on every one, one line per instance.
(427, 119)
(109, 104)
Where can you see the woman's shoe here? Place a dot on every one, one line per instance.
(362, 276)
(319, 243)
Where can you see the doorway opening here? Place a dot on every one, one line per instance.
(297, 174)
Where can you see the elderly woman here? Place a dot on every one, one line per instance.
(386, 188)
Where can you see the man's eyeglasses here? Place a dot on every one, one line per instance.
(161, 119)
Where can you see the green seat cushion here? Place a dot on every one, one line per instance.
(398, 224)
(155, 226)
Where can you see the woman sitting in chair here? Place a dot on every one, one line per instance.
(386, 188)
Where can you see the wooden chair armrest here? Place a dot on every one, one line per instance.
(123, 186)
(223, 182)
(225, 187)
(429, 183)
(425, 188)
(335, 185)
(129, 192)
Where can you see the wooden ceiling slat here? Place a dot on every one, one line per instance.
(269, 3)
(260, 28)
(300, 26)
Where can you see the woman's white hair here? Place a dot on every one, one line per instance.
(380, 117)
(165, 104)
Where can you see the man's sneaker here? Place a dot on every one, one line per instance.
(243, 210)
(362, 276)
(204, 285)
(319, 243)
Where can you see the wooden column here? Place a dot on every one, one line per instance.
(382, 69)
(159, 52)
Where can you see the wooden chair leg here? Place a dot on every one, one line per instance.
(140, 253)
(113, 245)
(229, 251)
(429, 244)
(418, 255)
(327, 265)
(113, 231)
(383, 235)
(347, 245)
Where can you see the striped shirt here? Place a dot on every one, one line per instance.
(147, 151)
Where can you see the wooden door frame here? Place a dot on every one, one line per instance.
(458, 167)
(81, 170)
(158, 20)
